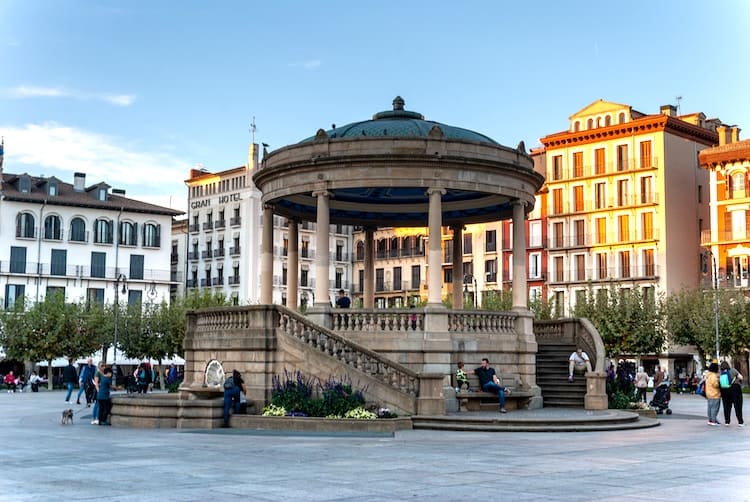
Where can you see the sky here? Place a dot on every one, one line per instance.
(136, 93)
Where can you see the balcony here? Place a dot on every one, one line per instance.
(174, 258)
(220, 224)
(234, 251)
(206, 254)
(605, 274)
(234, 280)
(219, 253)
(194, 229)
(605, 169)
(235, 221)
(192, 283)
(217, 281)
(193, 255)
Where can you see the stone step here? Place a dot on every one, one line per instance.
(562, 420)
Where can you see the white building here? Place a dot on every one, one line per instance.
(224, 235)
(85, 241)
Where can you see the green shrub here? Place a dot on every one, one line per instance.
(619, 401)
(293, 393)
(338, 397)
(307, 396)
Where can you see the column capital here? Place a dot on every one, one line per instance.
(321, 193)
(433, 190)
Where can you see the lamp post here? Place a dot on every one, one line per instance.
(708, 252)
(468, 278)
(121, 278)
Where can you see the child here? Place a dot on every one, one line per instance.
(461, 378)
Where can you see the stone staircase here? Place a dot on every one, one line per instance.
(551, 377)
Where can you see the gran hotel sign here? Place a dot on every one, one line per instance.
(221, 199)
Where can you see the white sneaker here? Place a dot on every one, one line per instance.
(95, 422)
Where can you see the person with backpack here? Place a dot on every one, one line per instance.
(731, 393)
(233, 386)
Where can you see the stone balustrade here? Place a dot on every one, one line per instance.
(481, 321)
(368, 320)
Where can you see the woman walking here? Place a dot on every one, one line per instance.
(713, 393)
(732, 395)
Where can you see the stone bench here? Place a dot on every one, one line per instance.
(516, 396)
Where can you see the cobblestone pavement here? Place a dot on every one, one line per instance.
(682, 459)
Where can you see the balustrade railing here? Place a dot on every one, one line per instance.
(476, 321)
(367, 320)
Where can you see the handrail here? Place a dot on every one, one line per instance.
(348, 352)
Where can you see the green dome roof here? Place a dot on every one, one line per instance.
(400, 123)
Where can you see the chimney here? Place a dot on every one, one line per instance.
(735, 134)
(79, 182)
(668, 110)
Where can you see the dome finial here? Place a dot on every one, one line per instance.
(398, 103)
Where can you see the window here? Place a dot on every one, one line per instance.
(557, 234)
(360, 250)
(14, 293)
(559, 269)
(622, 157)
(103, 231)
(17, 260)
(467, 244)
(102, 194)
(284, 276)
(51, 291)
(24, 184)
(338, 279)
(135, 296)
(98, 264)
(52, 228)
(416, 278)
(128, 232)
(25, 226)
(646, 159)
(535, 234)
(393, 247)
(339, 256)
(600, 195)
(448, 251)
(647, 195)
(491, 241)
(579, 229)
(397, 279)
(578, 197)
(361, 276)
(621, 118)
(136, 266)
(648, 262)
(58, 262)
(302, 277)
(580, 261)
(601, 230)
(601, 265)
(737, 186)
(599, 160)
(95, 295)
(77, 230)
(151, 235)
(577, 164)
(623, 227)
(559, 303)
(535, 265)
(557, 202)
(52, 188)
(490, 270)
(622, 193)
(379, 279)
(557, 167)
(381, 247)
(647, 226)
(624, 264)
(305, 249)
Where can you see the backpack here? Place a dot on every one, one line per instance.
(229, 383)
(725, 379)
(701, 389)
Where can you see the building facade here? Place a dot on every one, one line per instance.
(222, 242)
(615, 179)
(728, 239)
(88, 242)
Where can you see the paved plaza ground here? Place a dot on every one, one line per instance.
(682, 459)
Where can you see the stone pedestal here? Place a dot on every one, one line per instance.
(596, 391)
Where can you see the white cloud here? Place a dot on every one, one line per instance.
(30, 91)
(311, 64)
(49, 147)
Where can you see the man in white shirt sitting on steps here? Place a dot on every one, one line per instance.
(579, 361)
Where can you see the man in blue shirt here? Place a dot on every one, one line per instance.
(489, 382)
(85, 381)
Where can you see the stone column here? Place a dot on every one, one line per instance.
(434, 260)
(266, 257)
(458, 267)
(368, 289)
(520, 295)
(292, 271)
(322, 244)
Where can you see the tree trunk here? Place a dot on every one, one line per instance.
(49, 375)
(161, 375)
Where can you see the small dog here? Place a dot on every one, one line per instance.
(67, 417)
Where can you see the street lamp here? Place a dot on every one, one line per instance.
(152, 292)
(468, 278)
(121, 278)
(707, 253)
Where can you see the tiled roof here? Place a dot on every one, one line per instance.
(67, 196)
(731, 152)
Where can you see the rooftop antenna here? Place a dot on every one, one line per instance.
(679, 99)
(252, 129)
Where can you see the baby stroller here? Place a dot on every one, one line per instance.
(131, 385)
(661, 398)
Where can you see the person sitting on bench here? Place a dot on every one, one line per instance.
(489, 382)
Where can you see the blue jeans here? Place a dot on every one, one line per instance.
(713, 409)
(231, 400)
(70, 386)
(493, 387)
(95, 410)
